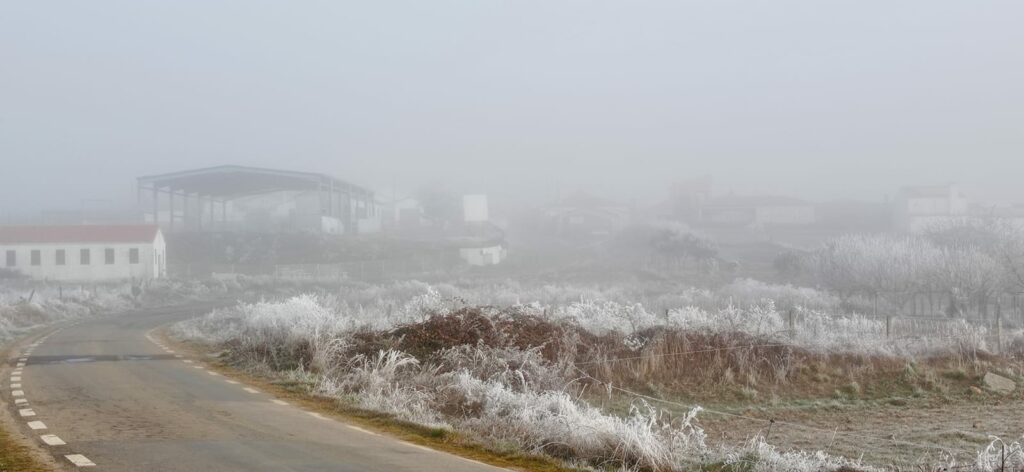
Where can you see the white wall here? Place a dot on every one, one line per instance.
(474, 208)
(483, 256)
(152, 261)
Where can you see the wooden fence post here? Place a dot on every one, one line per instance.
(999, 331)
(792, 325)
(888, 325)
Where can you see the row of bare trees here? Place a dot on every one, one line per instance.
(969, 264)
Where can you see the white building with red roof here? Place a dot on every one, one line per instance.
(84, 253)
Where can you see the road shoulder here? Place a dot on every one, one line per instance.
(18, 451)
(299, 395)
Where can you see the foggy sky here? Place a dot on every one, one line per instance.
(820, 99)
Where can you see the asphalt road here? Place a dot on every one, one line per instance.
(101, 392)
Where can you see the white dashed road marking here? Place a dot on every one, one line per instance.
(36, 425)
(17, 393)
(15, 385)
(232, 382)
(79, 460)
(316, 415)
(20, 364)
(20, 401)
(187, 361)
(251, 390)
(52, 440)
(26, 412)
(212, 373)
(16, 378)
(280, 402)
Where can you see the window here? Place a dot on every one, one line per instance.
(84, 256)
(108, 256)
(133, 255)
(12, 258)
(61, 257)
(36, 258)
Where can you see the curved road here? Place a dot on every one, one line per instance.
(100, 392)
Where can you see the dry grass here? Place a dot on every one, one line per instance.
(303, 394)
(17, 457)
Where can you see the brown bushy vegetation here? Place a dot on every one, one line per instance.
(666, 361)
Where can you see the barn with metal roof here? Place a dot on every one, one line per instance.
(240, 198)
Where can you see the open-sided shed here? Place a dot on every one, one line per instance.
(200, 199)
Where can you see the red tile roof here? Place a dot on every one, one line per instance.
(78, 234)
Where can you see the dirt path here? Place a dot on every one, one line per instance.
(881, 434)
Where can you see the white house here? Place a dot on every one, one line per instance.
(757, 211)
(84, 253)
(920, 208)
(483, 256)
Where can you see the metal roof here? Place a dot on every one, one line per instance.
(78, 234)
(235, 181)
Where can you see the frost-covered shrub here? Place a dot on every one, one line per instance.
(744, 292)
(1000, 456)
(513, 376)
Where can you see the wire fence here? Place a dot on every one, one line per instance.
(375, 269)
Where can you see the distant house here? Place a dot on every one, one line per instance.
(921, 207)
(757, 211)
(688, 198)
(84, 253)
(587, 216)
(480, 242)
(401, 214)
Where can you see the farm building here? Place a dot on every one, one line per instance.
(757, 211)
(84, 253)
(251, 199)
(586, 216)
(920, 208)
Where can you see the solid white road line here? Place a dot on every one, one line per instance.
(26, 412)
(251, 390)
(280, 402)
(361, 430)
(36, 425)
(52, 440)
(79, 460)
(417, 446)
